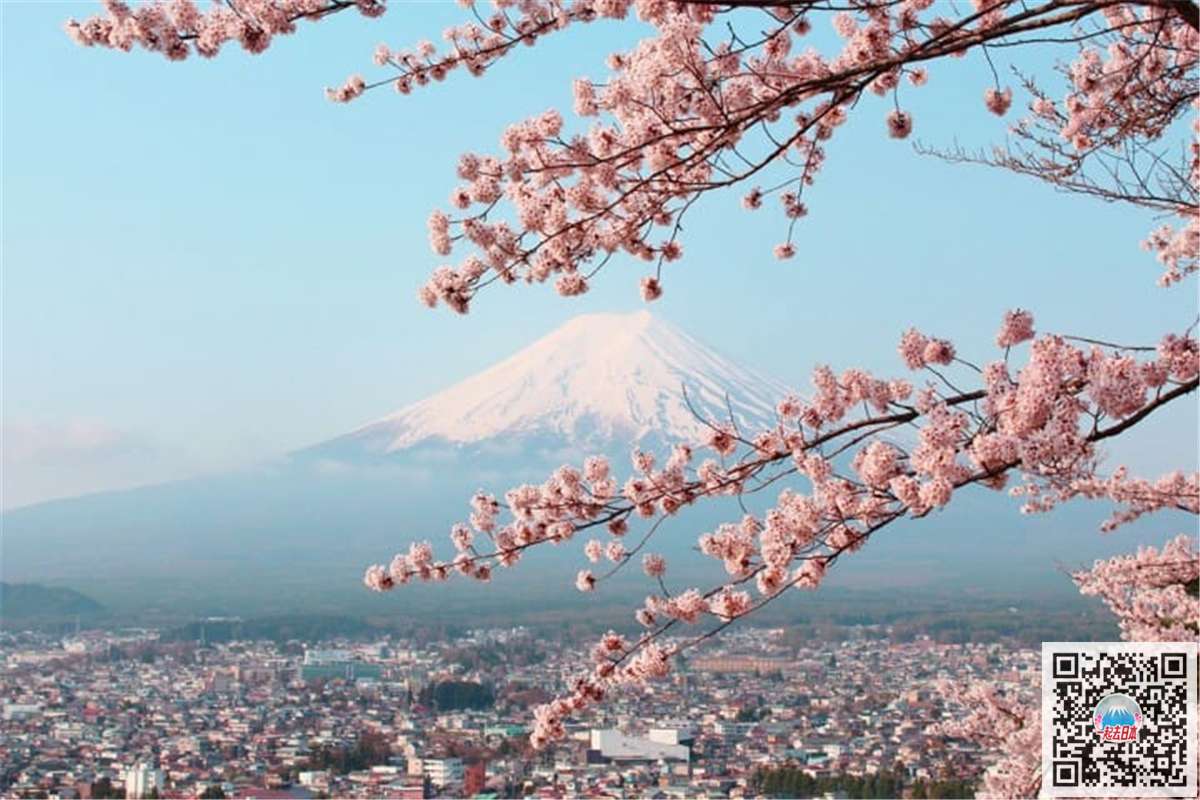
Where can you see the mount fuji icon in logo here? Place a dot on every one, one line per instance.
(1118, 717)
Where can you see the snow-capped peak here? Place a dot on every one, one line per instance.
(597, 378)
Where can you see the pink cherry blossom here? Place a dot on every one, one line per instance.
(377, 579)
(1148, 591)
(654, 565)
(686, 607)
(938, 351)
(729, 604)
(899, 124)
(1005, 720)
(594, 550)
(998, 102)
(1016, 327)
(912, 348)
(651, 290)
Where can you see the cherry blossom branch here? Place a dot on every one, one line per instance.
(1042, 423)
(177, 28)
(677, 105)
(622, 209)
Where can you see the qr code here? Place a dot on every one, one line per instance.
(1119, 719)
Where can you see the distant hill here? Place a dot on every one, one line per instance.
(32, 601)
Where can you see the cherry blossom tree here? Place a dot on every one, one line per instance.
(1153, 595)
(730, 95)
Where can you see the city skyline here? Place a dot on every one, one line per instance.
(419, 717)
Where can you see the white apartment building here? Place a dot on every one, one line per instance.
(441, 772)
(142, 780)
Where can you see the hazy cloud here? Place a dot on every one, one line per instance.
(48, 442)
(48, 459)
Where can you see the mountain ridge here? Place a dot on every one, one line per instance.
(595, 379)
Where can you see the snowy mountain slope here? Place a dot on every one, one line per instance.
(596, 379)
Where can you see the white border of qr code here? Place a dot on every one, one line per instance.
(1147, 648)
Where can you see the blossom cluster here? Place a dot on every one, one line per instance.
(1050, 436)
(474, 46)
(676, 107)
(1111, 105)
(1138, 496)
(618, 664)
(1128, 86)
(1006, 720)
(1152, 592)
(176, 28)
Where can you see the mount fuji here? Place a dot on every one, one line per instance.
(295, 532)
(306, 523)
(599, 380)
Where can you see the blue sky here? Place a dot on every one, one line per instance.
(207, 264)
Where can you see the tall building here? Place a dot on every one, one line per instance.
(735, 664)
(142, 780)
(608, 746)
(329, 664)
(673, 732)
(441, 772)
